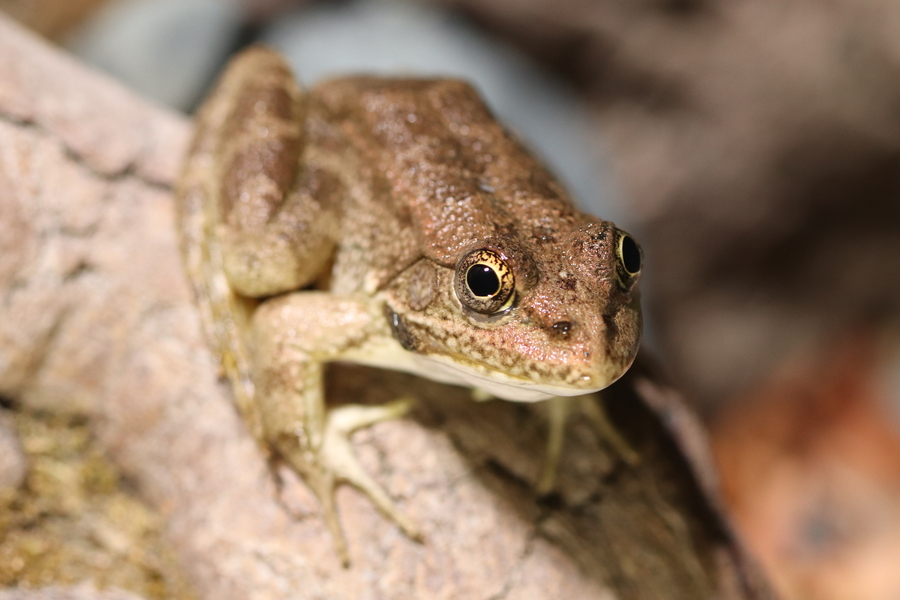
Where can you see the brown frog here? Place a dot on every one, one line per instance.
(395, 223)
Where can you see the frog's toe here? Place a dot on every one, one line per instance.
(347, 419)
(323, 483)
(337, 455)
(595, 409)
(559, 409)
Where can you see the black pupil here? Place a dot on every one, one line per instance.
(631, 255)
(482, 280)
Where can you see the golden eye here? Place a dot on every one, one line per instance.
(484, 282)
(628, 259)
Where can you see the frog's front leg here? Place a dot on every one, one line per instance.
(592, 406)
(294, 336)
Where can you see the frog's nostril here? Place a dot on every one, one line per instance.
(563, 328)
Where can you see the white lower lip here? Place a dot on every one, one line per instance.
(494, 383)
(387, 354)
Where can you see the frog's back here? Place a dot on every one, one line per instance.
(430, 172)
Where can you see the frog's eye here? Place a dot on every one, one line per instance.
(628, 259)
(484, 282)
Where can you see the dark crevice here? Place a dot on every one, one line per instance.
(128, 172)
(45, 345)
(81, 269)
(527, 550)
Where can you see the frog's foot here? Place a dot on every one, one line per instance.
(336, 462)
(337, 454)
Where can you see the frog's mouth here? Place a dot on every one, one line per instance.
(388, 354)
(495, 383)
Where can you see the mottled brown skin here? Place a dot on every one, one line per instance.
(329, 225)
(435, 151)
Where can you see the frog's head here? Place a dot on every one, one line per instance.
(558, 316)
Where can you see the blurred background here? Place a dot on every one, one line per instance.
(752, 146)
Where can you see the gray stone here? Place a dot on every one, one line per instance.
(167, 50)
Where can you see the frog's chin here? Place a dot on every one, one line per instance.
(495, 383)
(445, 370)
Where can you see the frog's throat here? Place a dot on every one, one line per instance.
(388, 354)
(495, 383)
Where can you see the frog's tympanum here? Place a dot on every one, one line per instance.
(395, 223)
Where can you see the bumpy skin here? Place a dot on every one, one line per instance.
(366, 194)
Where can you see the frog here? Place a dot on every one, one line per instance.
(394, 223)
